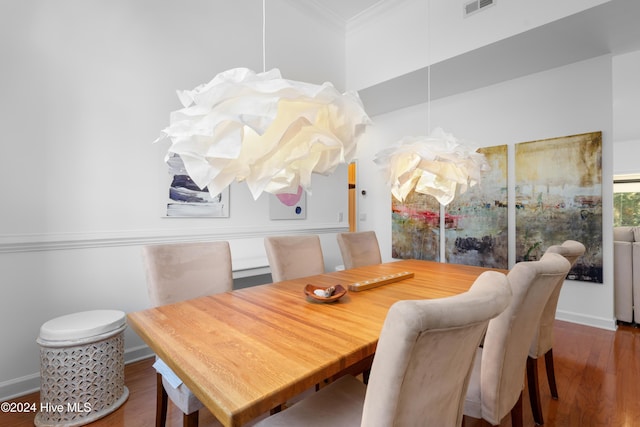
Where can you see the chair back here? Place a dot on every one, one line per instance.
(359, 249)
(425, 353)
(543, 338)
(291, 257)
(180, 271)
(508, 338)
(570, 249)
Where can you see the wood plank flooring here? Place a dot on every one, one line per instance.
(597, 372)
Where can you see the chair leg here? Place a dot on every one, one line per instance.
(276, 409)
(162, 400)
(480, 422)
(534, 390)
(365, 376)
(551, 374)
(516, 413)
(190, 420)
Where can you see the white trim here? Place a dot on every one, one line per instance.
(366, 16)
(250, 266)
(19, 387)
(581, 319)
(135, 354)
(314, 8)
(28, 384)
(67, 241)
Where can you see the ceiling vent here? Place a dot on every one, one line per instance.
(476, 6)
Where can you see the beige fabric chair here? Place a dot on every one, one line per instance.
(542, 344)
(497, 380)
(359, 249)
(177, 272)
(291, 257)
(420, 370)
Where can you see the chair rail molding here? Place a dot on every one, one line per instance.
(12, 243)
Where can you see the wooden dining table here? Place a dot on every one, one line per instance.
(245, 352)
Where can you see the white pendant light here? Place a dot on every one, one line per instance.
(438, 164)
(271, 132)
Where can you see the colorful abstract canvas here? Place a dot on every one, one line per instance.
(415, 226)
(476, 225)
(559, 197)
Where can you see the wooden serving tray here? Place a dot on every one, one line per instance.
(379, 281)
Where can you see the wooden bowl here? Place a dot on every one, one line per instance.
(339, 293)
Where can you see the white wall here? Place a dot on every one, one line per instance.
(626, 105)
(564, 101)
(393, 38)
(86, 86)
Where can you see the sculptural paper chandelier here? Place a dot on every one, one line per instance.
(438, 165)
(260, 128)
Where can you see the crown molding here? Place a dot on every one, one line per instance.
(315, 9)
(322, 14)
(366, 16)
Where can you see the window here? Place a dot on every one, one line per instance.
(626, 200)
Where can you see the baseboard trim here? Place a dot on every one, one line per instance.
(136, 354)
(19, 387)
(28, 384)
(581, 319)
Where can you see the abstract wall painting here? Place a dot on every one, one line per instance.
(559, 197)
(476, 222)
(288, 206)
(186, 199)
(415, 227)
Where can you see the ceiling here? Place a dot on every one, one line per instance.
(611, 28)
(346, 9)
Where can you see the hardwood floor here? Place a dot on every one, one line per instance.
(597, 372)
(598, 379)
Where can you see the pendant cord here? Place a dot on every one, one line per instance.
(428, 99)
(428, 67)
(264, 37)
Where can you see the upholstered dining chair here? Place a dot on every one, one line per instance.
(420, 370)
(291, 257)
(177, 272)
(497, 380)
(359, 248)
(542, 344)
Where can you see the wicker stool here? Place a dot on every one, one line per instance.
(81, 368)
